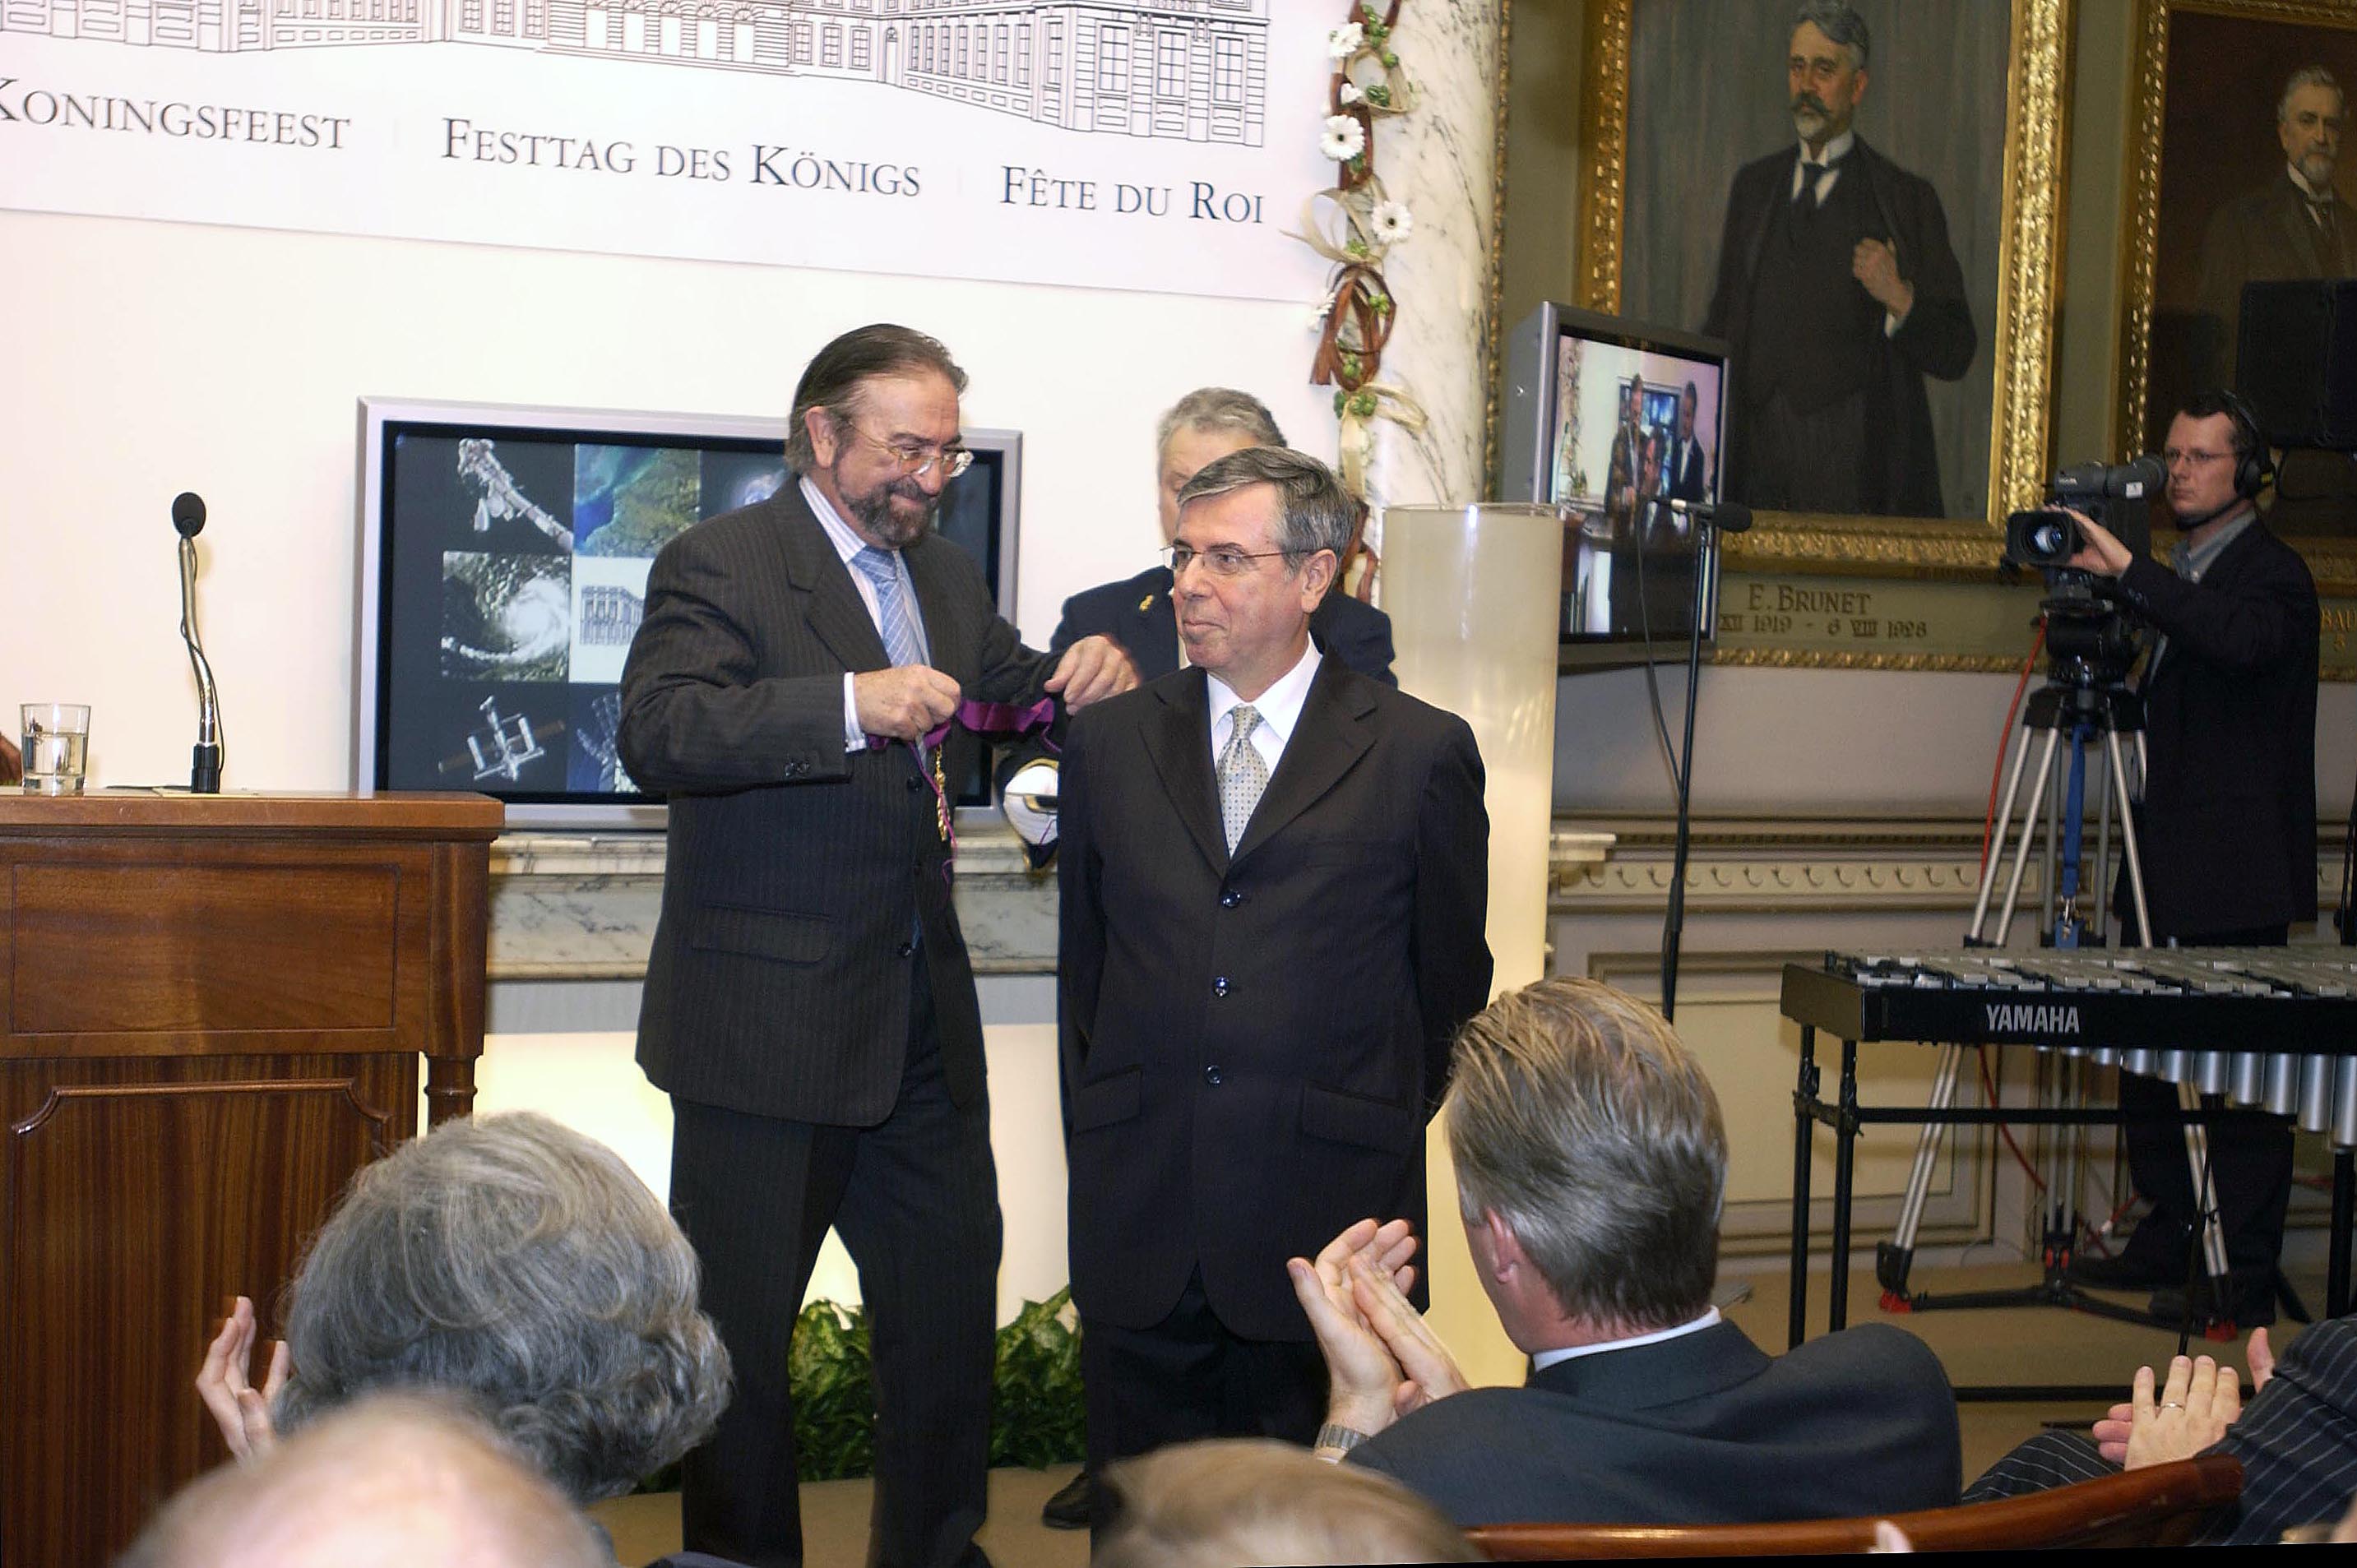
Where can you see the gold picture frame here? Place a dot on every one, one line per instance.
(2332, 559)
(2031, 209)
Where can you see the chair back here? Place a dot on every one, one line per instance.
(2161, 1504)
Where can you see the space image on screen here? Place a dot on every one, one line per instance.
(504, 555)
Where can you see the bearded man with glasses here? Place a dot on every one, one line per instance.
(795, 689)
(2227, 825)
(1275, 885)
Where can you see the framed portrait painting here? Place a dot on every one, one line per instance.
(1866, 207)
(2239, 172)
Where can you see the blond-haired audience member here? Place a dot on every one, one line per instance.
(390, 1481)
(1235, 1501)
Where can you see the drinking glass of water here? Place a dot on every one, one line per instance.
(56, 746)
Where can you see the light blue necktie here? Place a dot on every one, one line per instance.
(904, 639)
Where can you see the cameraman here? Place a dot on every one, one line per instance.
(2227, 826)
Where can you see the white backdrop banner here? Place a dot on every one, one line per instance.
(1162, 146)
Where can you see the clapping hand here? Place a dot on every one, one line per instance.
(1367, 1380)
(239, 1409)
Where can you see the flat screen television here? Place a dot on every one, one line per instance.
(1629, 562)
(503, 561)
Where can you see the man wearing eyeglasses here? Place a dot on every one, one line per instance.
(798, 689)
(1273, 882)
(1136, 612)
(2227, 828)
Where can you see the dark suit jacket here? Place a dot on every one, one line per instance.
(1903, 471)
(1689, 468)
(2228, 828)
(1135, 613)
(779, 982)
(1253, 1044)
(1704, 1429)
(2261, 236)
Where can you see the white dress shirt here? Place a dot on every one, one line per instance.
(1279, 708)
(1545, 1358)
(848, 544)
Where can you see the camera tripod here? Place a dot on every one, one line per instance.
(2086, 706)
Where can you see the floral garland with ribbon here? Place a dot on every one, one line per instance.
(1354, 224)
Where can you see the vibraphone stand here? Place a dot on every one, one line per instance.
(2081, 706)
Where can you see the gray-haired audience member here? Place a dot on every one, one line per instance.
(1227, 1503)
(511, 1262)
(1591, 1166)
(389, 1481)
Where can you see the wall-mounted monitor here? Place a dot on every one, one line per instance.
(503, 561)
(1609, 420)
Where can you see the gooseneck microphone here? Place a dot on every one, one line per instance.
(205, 770)
(1727, 516)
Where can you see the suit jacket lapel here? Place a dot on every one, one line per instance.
(836, 612)
(948, 641)
(1179, 740)
(1326, 744)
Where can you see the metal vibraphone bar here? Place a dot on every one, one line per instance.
(2272, 1030)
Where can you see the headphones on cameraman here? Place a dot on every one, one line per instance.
(2253, 467)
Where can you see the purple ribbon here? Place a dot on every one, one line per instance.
(992, 719)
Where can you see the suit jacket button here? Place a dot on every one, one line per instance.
(1212, 1075)
(915, 784)
(904, 950)
(1229, 898)
(1219, 986)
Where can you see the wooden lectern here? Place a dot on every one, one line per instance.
(211, 1010)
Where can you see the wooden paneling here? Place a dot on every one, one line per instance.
(211, 1012)
(145, 943)
(131, 1213)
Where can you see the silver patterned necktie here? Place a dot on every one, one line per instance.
(903, 643)
(1243, 773)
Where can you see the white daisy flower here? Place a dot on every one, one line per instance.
(1344, 139)
(1351, 93)
(1345, 40)
(1390, 222)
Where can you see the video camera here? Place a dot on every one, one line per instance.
(2050, 536)
(2090, 641)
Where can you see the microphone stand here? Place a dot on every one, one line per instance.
(1673, 928)
(205, 767)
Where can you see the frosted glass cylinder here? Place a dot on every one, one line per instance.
(1475, 594)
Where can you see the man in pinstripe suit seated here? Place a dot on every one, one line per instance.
(2296, 1439)
(798, 689)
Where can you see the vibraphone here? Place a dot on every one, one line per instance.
(2274, 1029)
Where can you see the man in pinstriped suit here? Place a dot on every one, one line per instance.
(2296, 1439)
(809, 1005)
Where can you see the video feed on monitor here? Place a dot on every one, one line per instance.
(1636, 429)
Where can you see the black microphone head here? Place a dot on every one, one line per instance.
(188, 513)
(1733, 517)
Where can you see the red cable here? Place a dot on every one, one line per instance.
(1997, 773)
(1988, 1087)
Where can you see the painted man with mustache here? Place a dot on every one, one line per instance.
(1837, 292)
(2294, 226)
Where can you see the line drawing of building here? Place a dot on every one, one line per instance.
(1194, 71)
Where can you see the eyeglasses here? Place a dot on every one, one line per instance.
(916, 458)
(2192, 458)
(1225, 559)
